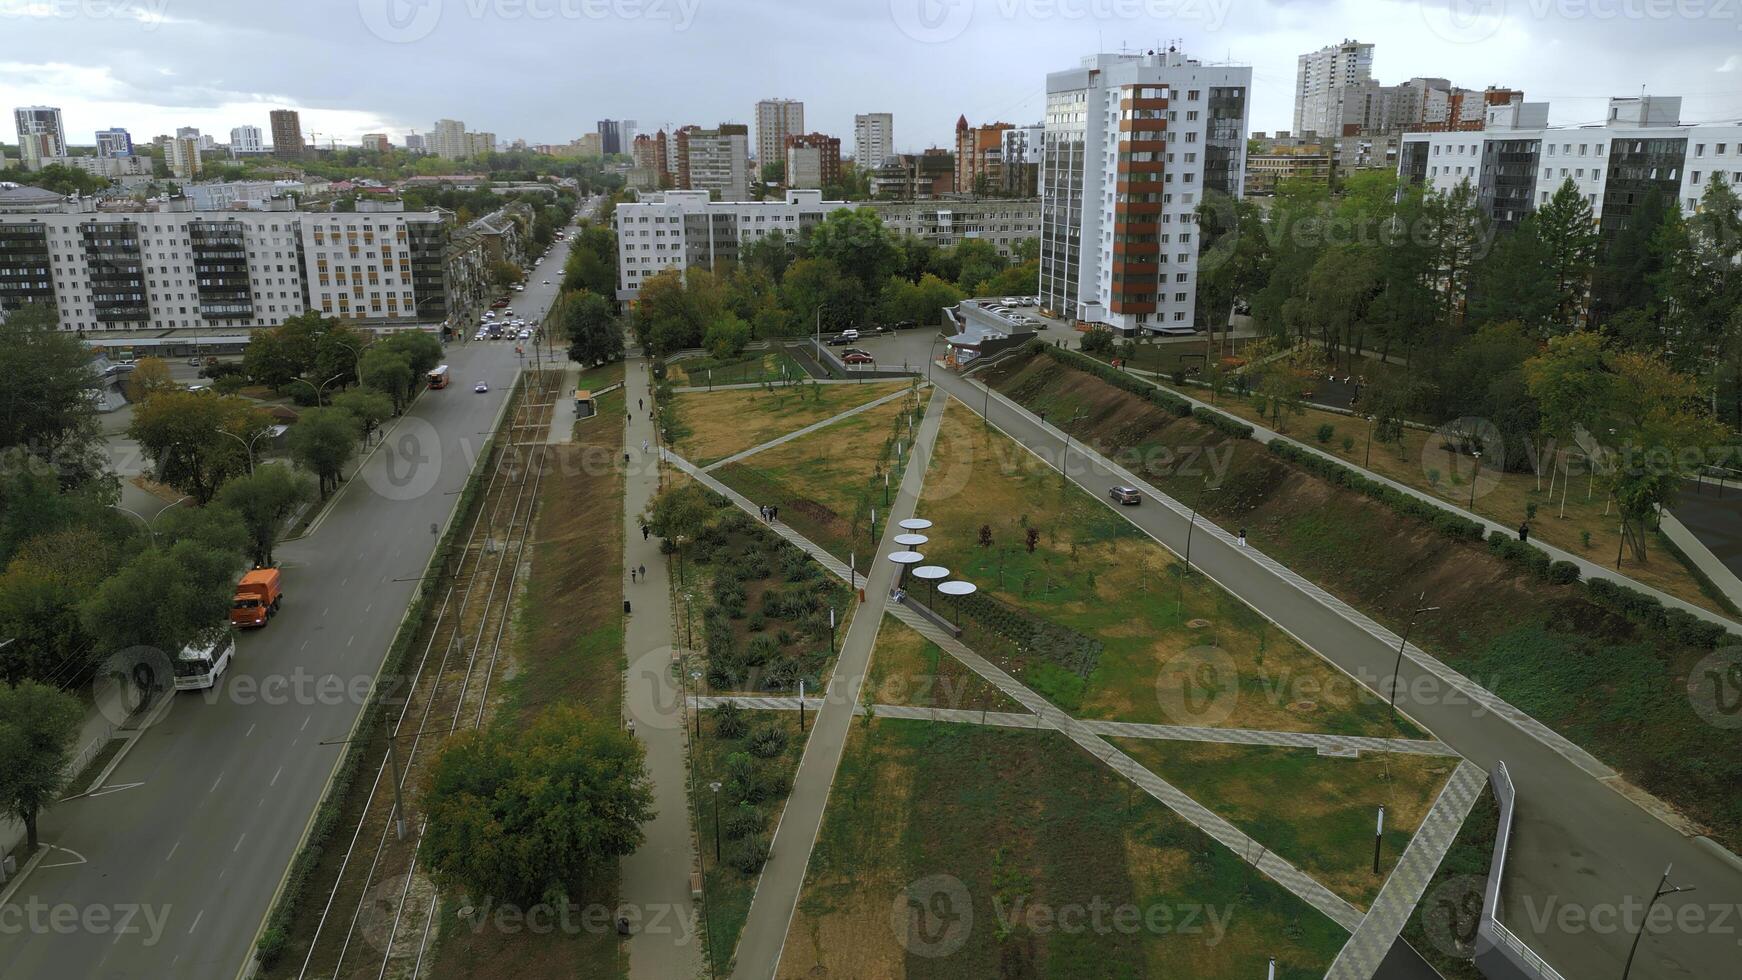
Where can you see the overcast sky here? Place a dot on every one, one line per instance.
(546, 70)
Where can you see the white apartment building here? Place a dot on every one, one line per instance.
(680, 229)
(1322, 82)
(1518, 161)
(873, 139)
(40, 135)
(448, 140)
(776, 119)
(184, 156)
(247, 139)
(1133, 144)
(175, 269)
(101, 166)
(230, 195)
(1001, 221)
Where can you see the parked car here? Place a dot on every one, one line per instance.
(1012, 301)
(480, 387)
(1125, 495)
(841, 340)
(905, 324)
(858, 357)
(546, 282)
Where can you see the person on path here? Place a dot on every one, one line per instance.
(631, 728)
(1524, 531)
(1242, 537)
(644, 573)
(638, 405)
(644, 447)
(645, 531)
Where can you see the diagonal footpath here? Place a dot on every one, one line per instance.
(1325, 744)
(1296, 881)
(1366, 949)
(807, 430)
(777, 891)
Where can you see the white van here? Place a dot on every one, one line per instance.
(202, 661)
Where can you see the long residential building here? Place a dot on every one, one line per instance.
(1518, 161)
(684, 229)
(1134, 143)
(179, 268)
(947, 223)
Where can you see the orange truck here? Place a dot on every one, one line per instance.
(257, 597)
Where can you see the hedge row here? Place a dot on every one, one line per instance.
(1160, 397)
(1074, 651)
(1681, 625)
(1452, 525)
(276, 934)
(1536, 560)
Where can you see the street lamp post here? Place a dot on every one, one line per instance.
(1660, 892)
(247, 444)
(1473, 475)
(152, 520)
(715, 786)
(1193, 521)
(321, 390)
(696, 675)
(1401, 643)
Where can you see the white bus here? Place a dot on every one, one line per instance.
(202, 661)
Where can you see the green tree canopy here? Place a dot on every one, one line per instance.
(45, 404)
(264, 501)
(38, 725)
(196, 440)
(535, 814)
(322, 441)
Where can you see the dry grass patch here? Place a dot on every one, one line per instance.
(721, 423)
(908, 669)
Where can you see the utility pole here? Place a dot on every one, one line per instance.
(1401, 643)
(393, 770)
(1644, 921)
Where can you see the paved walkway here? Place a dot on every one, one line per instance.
(1707, 537)
(562, 414)
(1341, 745)
(1367, 948)
(1587, 569)
(655, 884)
(807, 430)
(777, 891)
(1297, 882)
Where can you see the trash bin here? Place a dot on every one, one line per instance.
(625, 607)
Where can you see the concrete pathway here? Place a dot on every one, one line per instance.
(562, 414)
(1703, 542)
(1297, 882)
(655, 888)
(1340, 745)
(777, 892)
(807, 430)
(1362, 955)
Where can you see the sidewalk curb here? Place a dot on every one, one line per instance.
(23, 873)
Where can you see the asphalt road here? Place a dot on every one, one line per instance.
(170, 870)
(1583, 856)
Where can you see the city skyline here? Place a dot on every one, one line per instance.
(1577, 64)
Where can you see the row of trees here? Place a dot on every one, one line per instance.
(845, 272)
(1621, 343)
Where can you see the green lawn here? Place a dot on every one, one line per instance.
(1316, 812)
(752, 367)
(711, 425)
(908, 669)
(827, 483)
(1119, 632)
(947, 850)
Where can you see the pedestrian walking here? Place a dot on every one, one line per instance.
(632, 728)
(638, 405)
(625, 457)
(1524, 531)
(1242, 537)
(644, 447)
(632, 575)
(644, 573)
(645, 530)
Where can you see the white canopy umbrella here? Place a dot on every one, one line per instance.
(958, 589)
(911, 540)
(916, 524)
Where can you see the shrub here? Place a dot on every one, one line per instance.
(1326, 431)
(762, 649)
(1563, 573)
(756, 622)
(768, 742)
(748, 855)
(1348, 443)
(729, 720)
(743, 821)
(1225, 423)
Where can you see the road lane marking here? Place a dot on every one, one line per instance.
(215, 783)
(275, 776)
(172, 851)
(249, 732)
(239, 841)
(305, 722)
(350, 641)
(78, 858)
(196, 924)
(304, 645)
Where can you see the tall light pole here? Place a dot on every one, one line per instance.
(1660, 892)
(1473, 475)
(152, 520)
(247, 444)
(1401, 643)
(321, 390)
(1193, 521)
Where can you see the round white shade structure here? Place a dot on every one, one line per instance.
(911, 540)
(906, 557)
(931, 572)
(958, 588)
(916, 524)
